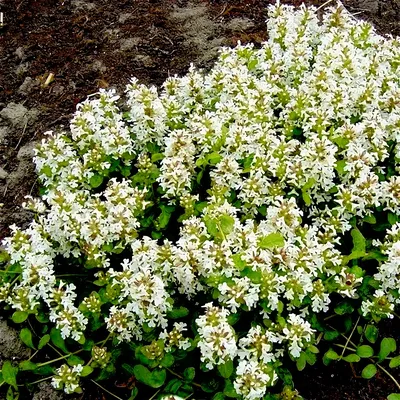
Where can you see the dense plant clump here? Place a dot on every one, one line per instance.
(220, 224)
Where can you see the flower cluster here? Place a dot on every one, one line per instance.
(68, 378)
(244, 192)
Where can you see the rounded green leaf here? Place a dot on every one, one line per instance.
(27, 365)
(226, 369)
(26, 336)
(371, 333)
(87, 370)
(178, 312)
(10, 374)
(19, 316)
(189, 373)
(271, 241)
(331, 355)
(74, 360)
(57, 340)
(352, 358)
(158, 377)
(301, 361)
(388, 345)
(394, 396)
(365, 351)
(168, 360)
(96, 181)
(394, 362)
(43, 341)
(369, 371)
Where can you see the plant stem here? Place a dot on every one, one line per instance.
(155, 394)
(40, 380)
(55, 349)
(330, 317)
(389, 375)
(349, 338)
(60, 358)
(107, 391)
(344, 347)
(33, 355)
(181, 377)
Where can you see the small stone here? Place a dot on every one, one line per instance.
(82, 5)
(27, 152)
(22, 69)
(124, 17)
(20, 52)
(4, 132)
(129, 43)
(145, 60)
(239, 24)
(18, 115)
(98, 66)
(27, 85)
(3, 174)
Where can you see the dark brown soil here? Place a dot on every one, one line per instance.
(102, 43)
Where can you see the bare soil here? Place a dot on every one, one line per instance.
(92, 44)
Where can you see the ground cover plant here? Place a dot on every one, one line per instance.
(204, 241)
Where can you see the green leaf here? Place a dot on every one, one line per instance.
(156, 157)
(271, 241)
(388, 345)
(142, 374)
(74, 360)
(229, 390)
(87, 370)
(394, 362)
(153, 379)
(158, 377)
(173, 386)
(10, 374)
(301, 361)
(306, 198)
(57, 340)
(370, 219)
(392, 218)
(26, 336)
(179, 312)
(359, 243)
(371, 333)
(226, 222)
(218, 396)
(19, 316)
(189, 373)
(365, 351)
(226, 369)
(352, 358)
(331, 355)
(210, 386)
(394, 396)
(331, 335)
(43, 341)
(27, 365)
(167, 361)
(95, 181)
(213, 158)
(340, 164)
(344, 308)
(10, 394)
(313, 349)
(369, 371)
(211, 225)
